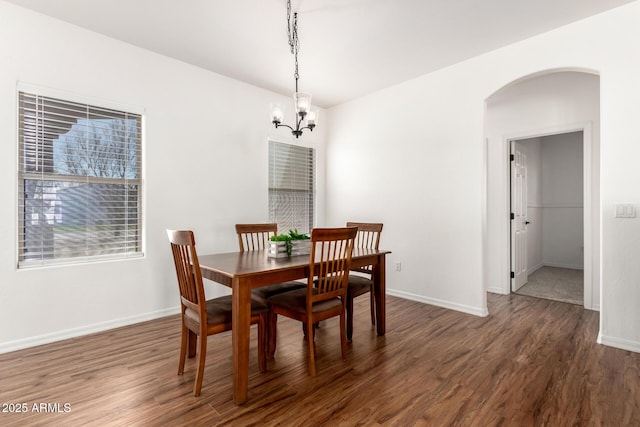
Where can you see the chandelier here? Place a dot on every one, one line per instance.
(301, 100)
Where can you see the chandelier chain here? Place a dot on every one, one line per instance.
(294, 42)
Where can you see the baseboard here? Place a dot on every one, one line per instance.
(23, 343)
(619, 343)
(533, 269)
(476, 311)
(496, 290)
(570, 266)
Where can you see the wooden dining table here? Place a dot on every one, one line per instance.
(243, 271)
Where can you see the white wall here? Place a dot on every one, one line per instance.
(205, 168)
(402, 156)
(423, 167)
(562, 200)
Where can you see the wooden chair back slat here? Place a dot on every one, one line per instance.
(330, 260)
(368, 234)
(253, 237)
(185, 257)
(368, 237)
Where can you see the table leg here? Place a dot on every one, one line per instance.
(241, 321)
(379, 282)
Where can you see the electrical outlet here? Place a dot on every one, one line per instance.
(398, 266)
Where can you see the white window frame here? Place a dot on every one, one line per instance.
(298, 186)
(129, 250)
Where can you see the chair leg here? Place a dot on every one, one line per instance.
(183, 349)
(201, 358)
(304, 328)
(312, 356)
(272, 334)
(349, 316)
(373, 306)
(192, 341)
(262, 342)
(343, 338)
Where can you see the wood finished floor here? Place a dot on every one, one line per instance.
(531, 362)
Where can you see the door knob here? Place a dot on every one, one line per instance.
(527, 222)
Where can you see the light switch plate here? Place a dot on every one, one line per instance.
(625, 210)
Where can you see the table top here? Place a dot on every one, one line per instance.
(248, 263)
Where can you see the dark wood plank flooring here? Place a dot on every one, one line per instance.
(532, 362)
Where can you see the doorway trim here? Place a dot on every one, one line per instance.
(590, 227)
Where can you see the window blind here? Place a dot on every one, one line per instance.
(291, 187)
(79, 186)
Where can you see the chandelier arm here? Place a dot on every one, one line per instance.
(281, 125)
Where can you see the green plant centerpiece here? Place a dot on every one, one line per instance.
(288, 240)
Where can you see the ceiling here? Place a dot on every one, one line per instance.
(348, 48)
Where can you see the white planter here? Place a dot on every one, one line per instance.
(298, 247)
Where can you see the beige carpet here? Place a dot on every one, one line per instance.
(558, 284)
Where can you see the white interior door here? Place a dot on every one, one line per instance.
(518, 217)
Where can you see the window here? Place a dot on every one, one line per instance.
(291, 187)
(79, 182)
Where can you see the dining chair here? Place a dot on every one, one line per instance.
(252, 237)
(368, 237)
(201, 317)
(325, 293)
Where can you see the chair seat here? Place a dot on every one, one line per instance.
(219, 310)
(358, 285)
(296, 301)
(264, 293)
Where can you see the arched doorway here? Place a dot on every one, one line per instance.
(546, 103)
